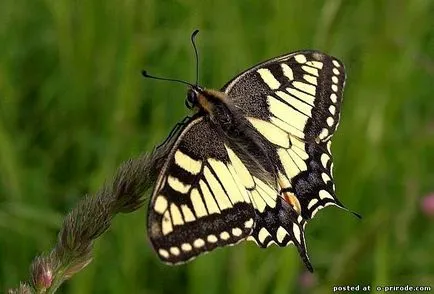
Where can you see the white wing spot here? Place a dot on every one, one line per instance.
(330, 121)
(236, 232)
(334, 88)
(263, 234)
(296, 231)
(324, 159)
(186, 247)
(323, 194)
(333, 98)
(174, 250)
(329, 145)
(336, 63)
(335, 79)
(300, 58)
(336, 71)
(332, 109)
(312, 203)
(160, 204)
(248, 224)
(324, 133)
(211, 239)
(287, 71)
(325, 177)
(198, 243)
(163, 253)
(268, 77)
(251, 238)
(224, 235)
(280, 234)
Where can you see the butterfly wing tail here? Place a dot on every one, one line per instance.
(282, 226)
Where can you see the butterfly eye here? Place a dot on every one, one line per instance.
(191, 99)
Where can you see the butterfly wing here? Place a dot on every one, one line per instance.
(294, 101)
(206, 198)
(197, 204)
(281, 225)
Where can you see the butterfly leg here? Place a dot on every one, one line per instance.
(175, 130)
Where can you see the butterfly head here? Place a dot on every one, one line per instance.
(193, 94)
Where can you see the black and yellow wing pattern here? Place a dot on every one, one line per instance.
(207, 196)
(294, 101)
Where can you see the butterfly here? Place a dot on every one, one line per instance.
(253, 162)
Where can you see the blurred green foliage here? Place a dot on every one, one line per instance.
(73, 106)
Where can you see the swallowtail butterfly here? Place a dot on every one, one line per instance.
(253, 162)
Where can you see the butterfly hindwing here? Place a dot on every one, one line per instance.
(294, 102)
(282, 226)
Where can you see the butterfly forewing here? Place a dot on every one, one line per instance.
(200, 202)
(294, 102)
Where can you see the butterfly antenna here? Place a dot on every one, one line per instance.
(146, 75)
(193, 37)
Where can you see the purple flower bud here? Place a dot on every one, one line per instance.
(45, 279)
(42, 275)
(427, 205)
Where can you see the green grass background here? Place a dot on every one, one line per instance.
(73, 106)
